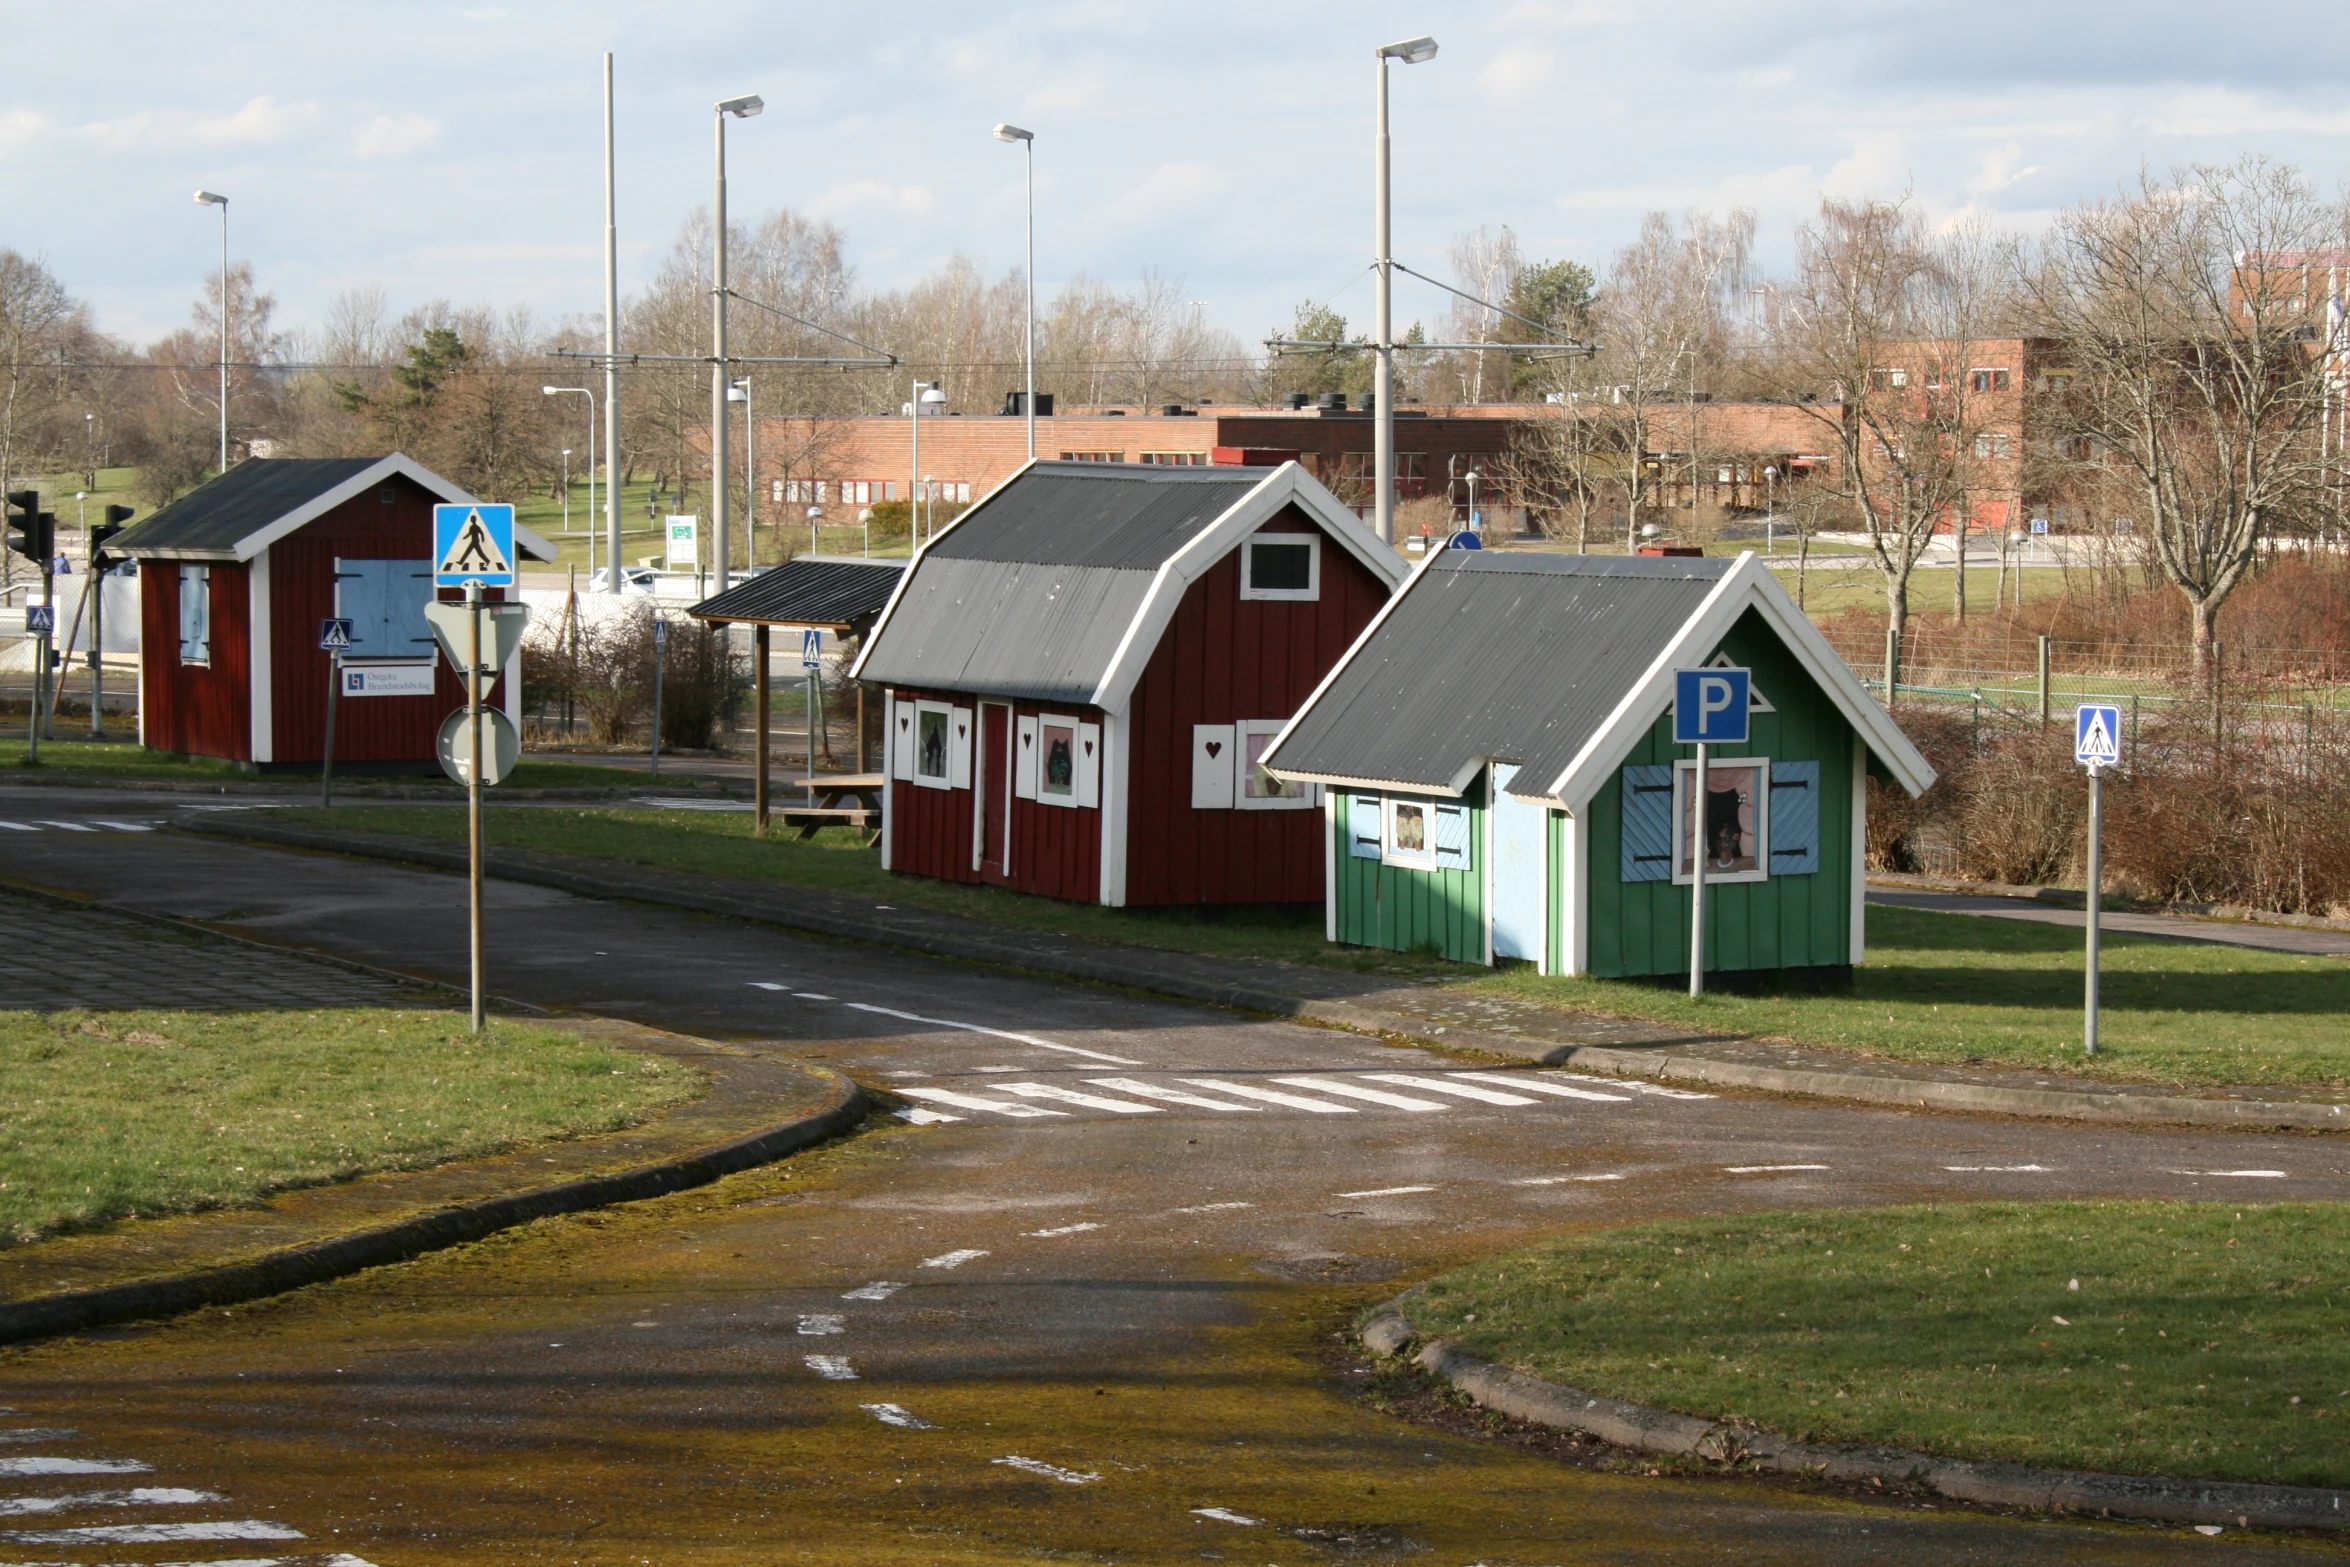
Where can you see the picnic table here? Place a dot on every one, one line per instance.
(830, 805)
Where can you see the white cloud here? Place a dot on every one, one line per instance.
(2222, 111)
(262, 119)
(20, 127)
(1516, 71)
(397, 135)
(1168, 189)
(869, 194)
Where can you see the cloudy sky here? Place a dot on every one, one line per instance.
(454, 150)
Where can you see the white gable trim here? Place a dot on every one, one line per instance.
(1748, 585)
(359, 483)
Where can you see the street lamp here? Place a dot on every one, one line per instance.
(1476, 520)
(567, 492)
(613, 563)
(1412, 51)
(815, 521)
(740, 392)
(742, 108)
(205, 198)
(1027, 141)
(1770, 510)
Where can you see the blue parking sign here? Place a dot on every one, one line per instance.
(1709, 706)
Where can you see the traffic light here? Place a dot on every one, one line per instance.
(32, 532)
(100, 560)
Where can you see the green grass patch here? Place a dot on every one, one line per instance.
(1964, 989)
(109, 1115)
(127, 759)
(720, 843)
(2188, 1339)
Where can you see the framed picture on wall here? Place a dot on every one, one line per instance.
(1056, 771)
(1736, 834)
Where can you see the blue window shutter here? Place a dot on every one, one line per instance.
(1452, 837)
(359, 599)
(408, 588)
(1648, 824)
(1364, 828)
(1795, 818)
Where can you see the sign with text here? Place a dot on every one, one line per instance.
(387, 679)
(685, 543)
(1709, 706)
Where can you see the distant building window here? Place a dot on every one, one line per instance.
(1176, 459)
(195, 614)
(1886, 380)
(1987, 380)
(2074, 448)
(1991, 446)
(1281, 566)
(1093, 456)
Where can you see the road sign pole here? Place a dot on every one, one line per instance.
(2096, 902)
(660, 669)
(759, 784)
(1697, 877)
(473, 772)
(44, 697)
(97, 592)
(326, 768)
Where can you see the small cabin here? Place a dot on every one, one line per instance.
(235, 579)
(1083, 670)
(1498, 759)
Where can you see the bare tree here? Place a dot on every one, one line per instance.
(38, 320)
(2201, 370)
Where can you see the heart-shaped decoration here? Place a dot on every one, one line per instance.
(1028, 739)
(962, 729)
(1215, 748)
(1089, 748)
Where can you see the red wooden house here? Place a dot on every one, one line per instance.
(234, 579)
(1083, 668)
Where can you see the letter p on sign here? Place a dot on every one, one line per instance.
(1709, 706)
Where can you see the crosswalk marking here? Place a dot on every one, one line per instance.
(143, 1496)
(973, 1102)
(1072, 1096)
(1135, 1085)
(92, 825)
(1768, 1169)
(122, 826)
(72, 1466)
(1377, 1096)
(953, 1259)
(1540, 1085)
(68, 826)
(832, 1368)
(879, 1289)
(1270, 1096)
(998, 1033)
(928, 1117)
(18, 827)
(898, 1415)
(1438, 1085)
(150, 1533)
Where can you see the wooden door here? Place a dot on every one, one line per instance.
(991, 784)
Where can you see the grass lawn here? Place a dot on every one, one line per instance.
(2186, 1339)
(108, 1115)
(1962, 989)
(129, 760)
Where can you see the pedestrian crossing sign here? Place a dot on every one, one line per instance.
(473, 543)
(334, 634)
(2097, 735)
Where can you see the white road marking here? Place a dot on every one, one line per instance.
(1037, 1466)
(952, 1259)
(1541, 1084)
(1637, 1086)
(767, 984)
(122, 826)
(144, 1496)
(73, 1466)
(1176, 1096)
(1557, 1180)
(927, 1117)
(18, 827)
(832, 1368)
(810, 995)
(69, 827)
(897, 1415)
(879, 1289)
(1072, 1097)
(1008, 1107)
(1995, 1169)
(2257, 1175)
(1226, 1515)
(144, 1533)
(996, 1033)
(1377, 1096)
(1768, 1169)
(1294, 1101)
(1387, 1191)
(816, 1324)
(1216, 1207)
(1066, 1229)
(38, 1434)
(1439, 1085)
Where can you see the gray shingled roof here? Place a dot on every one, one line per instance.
(1512, 656)
(240, 503)
(813, 590)
(1031, 593)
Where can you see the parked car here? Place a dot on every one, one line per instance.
(633, 579)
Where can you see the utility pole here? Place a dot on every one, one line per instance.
(1412, 51)
(611, 357)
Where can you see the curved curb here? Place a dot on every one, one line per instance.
(1647, 1430)
(73, 1311)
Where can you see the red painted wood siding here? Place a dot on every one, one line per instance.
(1222, 660)
(1056, 849)
(197, 709)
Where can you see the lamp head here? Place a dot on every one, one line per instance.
(736, 392)
(1412, 51)
(1013, 133)
(742, 108)
(205, 198)
(815, 512)
(549, 391)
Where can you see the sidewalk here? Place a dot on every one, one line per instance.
(1421, 1013)
(2312, 938)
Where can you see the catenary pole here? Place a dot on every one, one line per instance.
(719, 487)
(1383, 329)
(611, 355)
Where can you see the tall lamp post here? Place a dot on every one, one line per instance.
(1412, 51)
(205, 198)
(1771, 510)
(1027, 141)
(740, 392)
(558, 391)
(742, 109)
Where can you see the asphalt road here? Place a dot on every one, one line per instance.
(1087, 1309)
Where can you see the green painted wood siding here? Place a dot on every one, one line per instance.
(1785, 922)
(1388, 906)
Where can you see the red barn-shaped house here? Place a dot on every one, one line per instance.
(234, 579)
(1082, 669)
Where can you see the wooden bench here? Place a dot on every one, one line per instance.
(811, 819)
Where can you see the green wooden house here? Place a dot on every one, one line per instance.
(1501, 779)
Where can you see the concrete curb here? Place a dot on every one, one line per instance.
(1646, 1430)
(77, 1310)
(1108, 968)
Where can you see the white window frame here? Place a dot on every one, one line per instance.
(944, 779)
(1685, 770)
(196, 616)
(1311, 592)
(1421, 859)
(1308, 796)
(1044, 795)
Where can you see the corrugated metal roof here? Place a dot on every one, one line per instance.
(1008, 628)
(1123, 516)
(1520, 657)
(240, 503)
(813, 590)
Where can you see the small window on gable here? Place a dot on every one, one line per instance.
(1281, 566)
